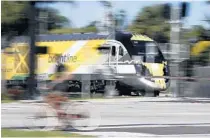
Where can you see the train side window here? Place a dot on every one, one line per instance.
(113, 50)
(121, 52)
(41, 50)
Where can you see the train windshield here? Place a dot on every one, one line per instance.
(148, 51)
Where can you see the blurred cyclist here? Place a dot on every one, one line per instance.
(59, 87)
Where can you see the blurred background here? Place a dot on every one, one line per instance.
(182, 30)
(166, 96)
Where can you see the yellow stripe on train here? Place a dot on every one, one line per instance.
(141, 38)
(156, 69)
(88, 54)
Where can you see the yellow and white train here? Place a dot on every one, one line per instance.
(131, 57)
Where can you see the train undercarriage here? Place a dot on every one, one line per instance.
(95, 87)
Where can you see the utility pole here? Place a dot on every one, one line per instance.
(32, 58)
(175, 47)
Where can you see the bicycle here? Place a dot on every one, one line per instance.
(81, 115)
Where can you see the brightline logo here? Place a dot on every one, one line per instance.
(64, 58)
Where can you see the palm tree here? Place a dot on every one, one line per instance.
(108, 15)
(106, 4)
(120, 19)
(71, 3)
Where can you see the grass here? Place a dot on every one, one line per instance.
(22, 133)
(8, 101)
(5, 98)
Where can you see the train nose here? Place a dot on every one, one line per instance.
(140, 82)
(153, 84)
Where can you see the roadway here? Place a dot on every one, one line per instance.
(136, 117)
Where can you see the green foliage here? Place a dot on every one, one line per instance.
(194, 32)
(73, 30)
(150, 21)
(91, 27)
(15, 18)
(5, 96)
(12, 11)
(54, 19)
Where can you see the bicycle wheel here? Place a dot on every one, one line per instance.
(83, 116)
(41, 117)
